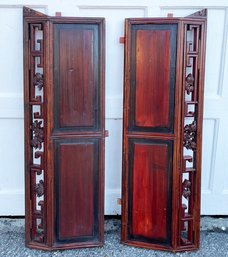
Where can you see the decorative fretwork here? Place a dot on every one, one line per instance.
(37, 128)
(190, 136)
(38, 80)
(186, 185)
(40, 188)
(189, 87)
(38, 134)
(189, 132)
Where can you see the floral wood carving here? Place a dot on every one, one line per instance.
(38, 80)
(189, 86)
(40, 188)
(190, 136)
(186, 188)
(38, 134)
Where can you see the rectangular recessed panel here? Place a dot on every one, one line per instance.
(77, 187)
(76, 76)
(152, 86)
(150, 179)
(153, 55)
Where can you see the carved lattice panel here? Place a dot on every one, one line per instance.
(191, 122)
(37, 127)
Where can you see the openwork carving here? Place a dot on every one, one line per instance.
(40, 188)
(186, 188)
(38, 134)
(37, 128)
(189, 87)
(190, 136)
(38, 80)
(189, 131)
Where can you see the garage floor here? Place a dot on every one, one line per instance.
(214, 241)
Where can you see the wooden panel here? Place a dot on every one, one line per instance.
(77, 189)
(150, 190)
(76, 76)
(153, 53)
(152, 78)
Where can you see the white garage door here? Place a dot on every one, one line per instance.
(215, 141)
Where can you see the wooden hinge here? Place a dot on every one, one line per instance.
(58, 14)
(106, 133)
(122, 40)
(170, 15)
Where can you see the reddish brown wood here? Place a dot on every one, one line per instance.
(76, 182)
(53, 220)
(140, 207)
(149, 184)
(152, 70)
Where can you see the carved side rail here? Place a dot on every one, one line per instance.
(37, 130)
(191, 87)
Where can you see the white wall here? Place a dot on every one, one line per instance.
(215, 142)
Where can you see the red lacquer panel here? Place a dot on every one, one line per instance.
(76, 77)
(152, 78)
(149, 196)
(76, 180)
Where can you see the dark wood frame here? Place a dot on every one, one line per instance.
(179, 188)
(46, 239)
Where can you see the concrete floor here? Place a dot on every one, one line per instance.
(214, 242)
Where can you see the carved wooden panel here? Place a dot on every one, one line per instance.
(162, 132)
(36, 135)
(64, 131)
(193, 53)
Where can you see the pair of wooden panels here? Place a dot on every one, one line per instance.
(65, 131)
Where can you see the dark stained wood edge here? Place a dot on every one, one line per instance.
(124, 197)
(199, 134)
(49, 128)
(27, 123)
(176, 150)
